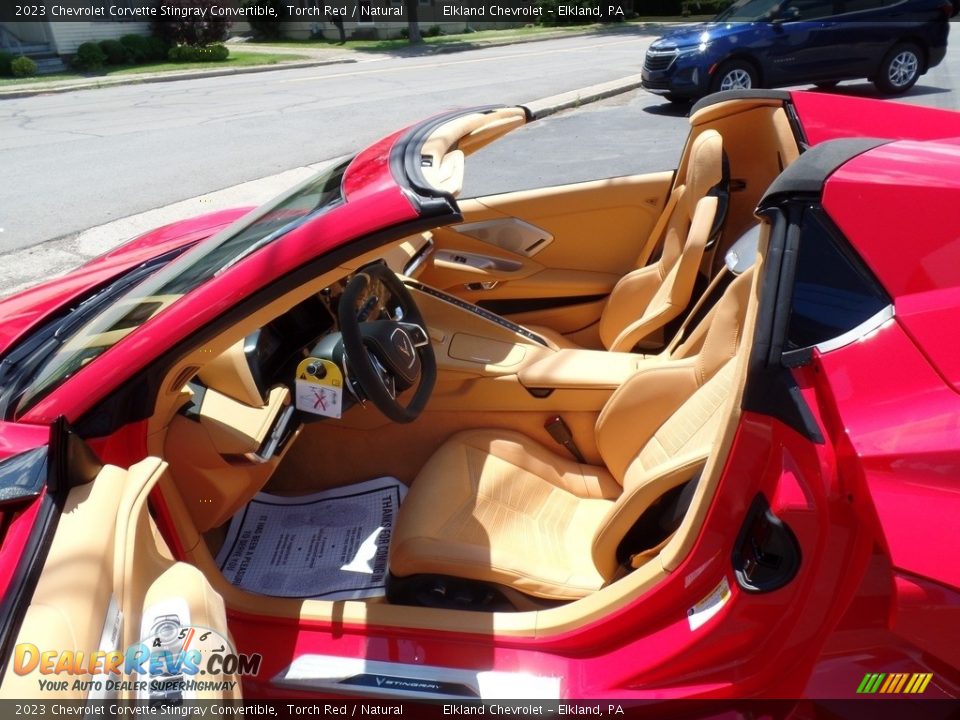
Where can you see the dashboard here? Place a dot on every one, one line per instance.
(269, 356)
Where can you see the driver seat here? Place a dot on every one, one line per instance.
(495, 507)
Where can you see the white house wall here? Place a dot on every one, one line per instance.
(68, 36)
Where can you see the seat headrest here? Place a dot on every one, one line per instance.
(743, 253)
(704, 166)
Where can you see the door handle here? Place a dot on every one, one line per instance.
(475, 261)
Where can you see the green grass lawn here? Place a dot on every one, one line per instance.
(237, 59)
(528, 31)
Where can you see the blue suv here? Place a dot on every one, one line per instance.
(770, 43)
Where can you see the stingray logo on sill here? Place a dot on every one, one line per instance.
(172, 651)
(894, 683)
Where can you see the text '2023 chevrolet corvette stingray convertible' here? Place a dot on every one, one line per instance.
(691, 434)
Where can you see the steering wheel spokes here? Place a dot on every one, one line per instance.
(387, 356)
(389, 382)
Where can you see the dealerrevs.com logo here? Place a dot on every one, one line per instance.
(173, 660)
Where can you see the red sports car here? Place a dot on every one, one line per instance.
(692, 434)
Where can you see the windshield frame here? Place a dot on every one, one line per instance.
(153, 295)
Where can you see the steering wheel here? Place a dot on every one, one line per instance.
(387, 356)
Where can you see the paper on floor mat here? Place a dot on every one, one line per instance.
(330, 545)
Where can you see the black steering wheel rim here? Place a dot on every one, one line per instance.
(360, 353)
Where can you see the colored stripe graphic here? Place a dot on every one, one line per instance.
(886, 685)
(894, 683)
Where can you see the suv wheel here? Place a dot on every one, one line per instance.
(900, 69)
(734, 75)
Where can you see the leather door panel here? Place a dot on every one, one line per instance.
(590, 235)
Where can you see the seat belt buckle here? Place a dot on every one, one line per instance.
(562, 436)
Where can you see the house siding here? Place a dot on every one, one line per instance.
(68, 36)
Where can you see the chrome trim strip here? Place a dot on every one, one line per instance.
(868, 326)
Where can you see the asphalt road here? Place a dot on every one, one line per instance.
(76, 160)
(82, 159)
(639, 132)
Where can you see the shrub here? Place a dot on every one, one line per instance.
(188, 53)
(156, 49)
(5, 60)
(268, 28)
(433, 31)
(89, 57)
(115, 52)
(218, 52)
(136, 47)
(182, 53)
(23, 67)
(189, 32)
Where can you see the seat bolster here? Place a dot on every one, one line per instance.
(638, 408)
(634, 502)
(652, 320)
(704, 166)
(676, 291)
(628, 300)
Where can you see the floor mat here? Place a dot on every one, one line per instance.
(330, 545)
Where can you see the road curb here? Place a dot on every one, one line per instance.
(584, 96)
(493, 42)
(650, 28)
(60, 255)
(169, 77)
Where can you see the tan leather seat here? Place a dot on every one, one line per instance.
(497, 507)
(646, 299)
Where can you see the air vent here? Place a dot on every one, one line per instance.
(182, 378)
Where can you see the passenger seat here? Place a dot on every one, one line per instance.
(494, 507)
(646, 299)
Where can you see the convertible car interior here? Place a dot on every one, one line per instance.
(550, 384)
(569, 355)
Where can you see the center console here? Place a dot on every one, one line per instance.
(487, 363)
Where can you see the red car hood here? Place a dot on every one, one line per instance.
(26, 310)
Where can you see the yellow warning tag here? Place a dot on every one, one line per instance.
(325, 372)
(319, 387)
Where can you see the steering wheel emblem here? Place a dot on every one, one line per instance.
(403, 344)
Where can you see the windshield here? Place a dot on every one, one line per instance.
(749, 11)
(160, 290)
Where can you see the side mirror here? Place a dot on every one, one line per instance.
(786, 15)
